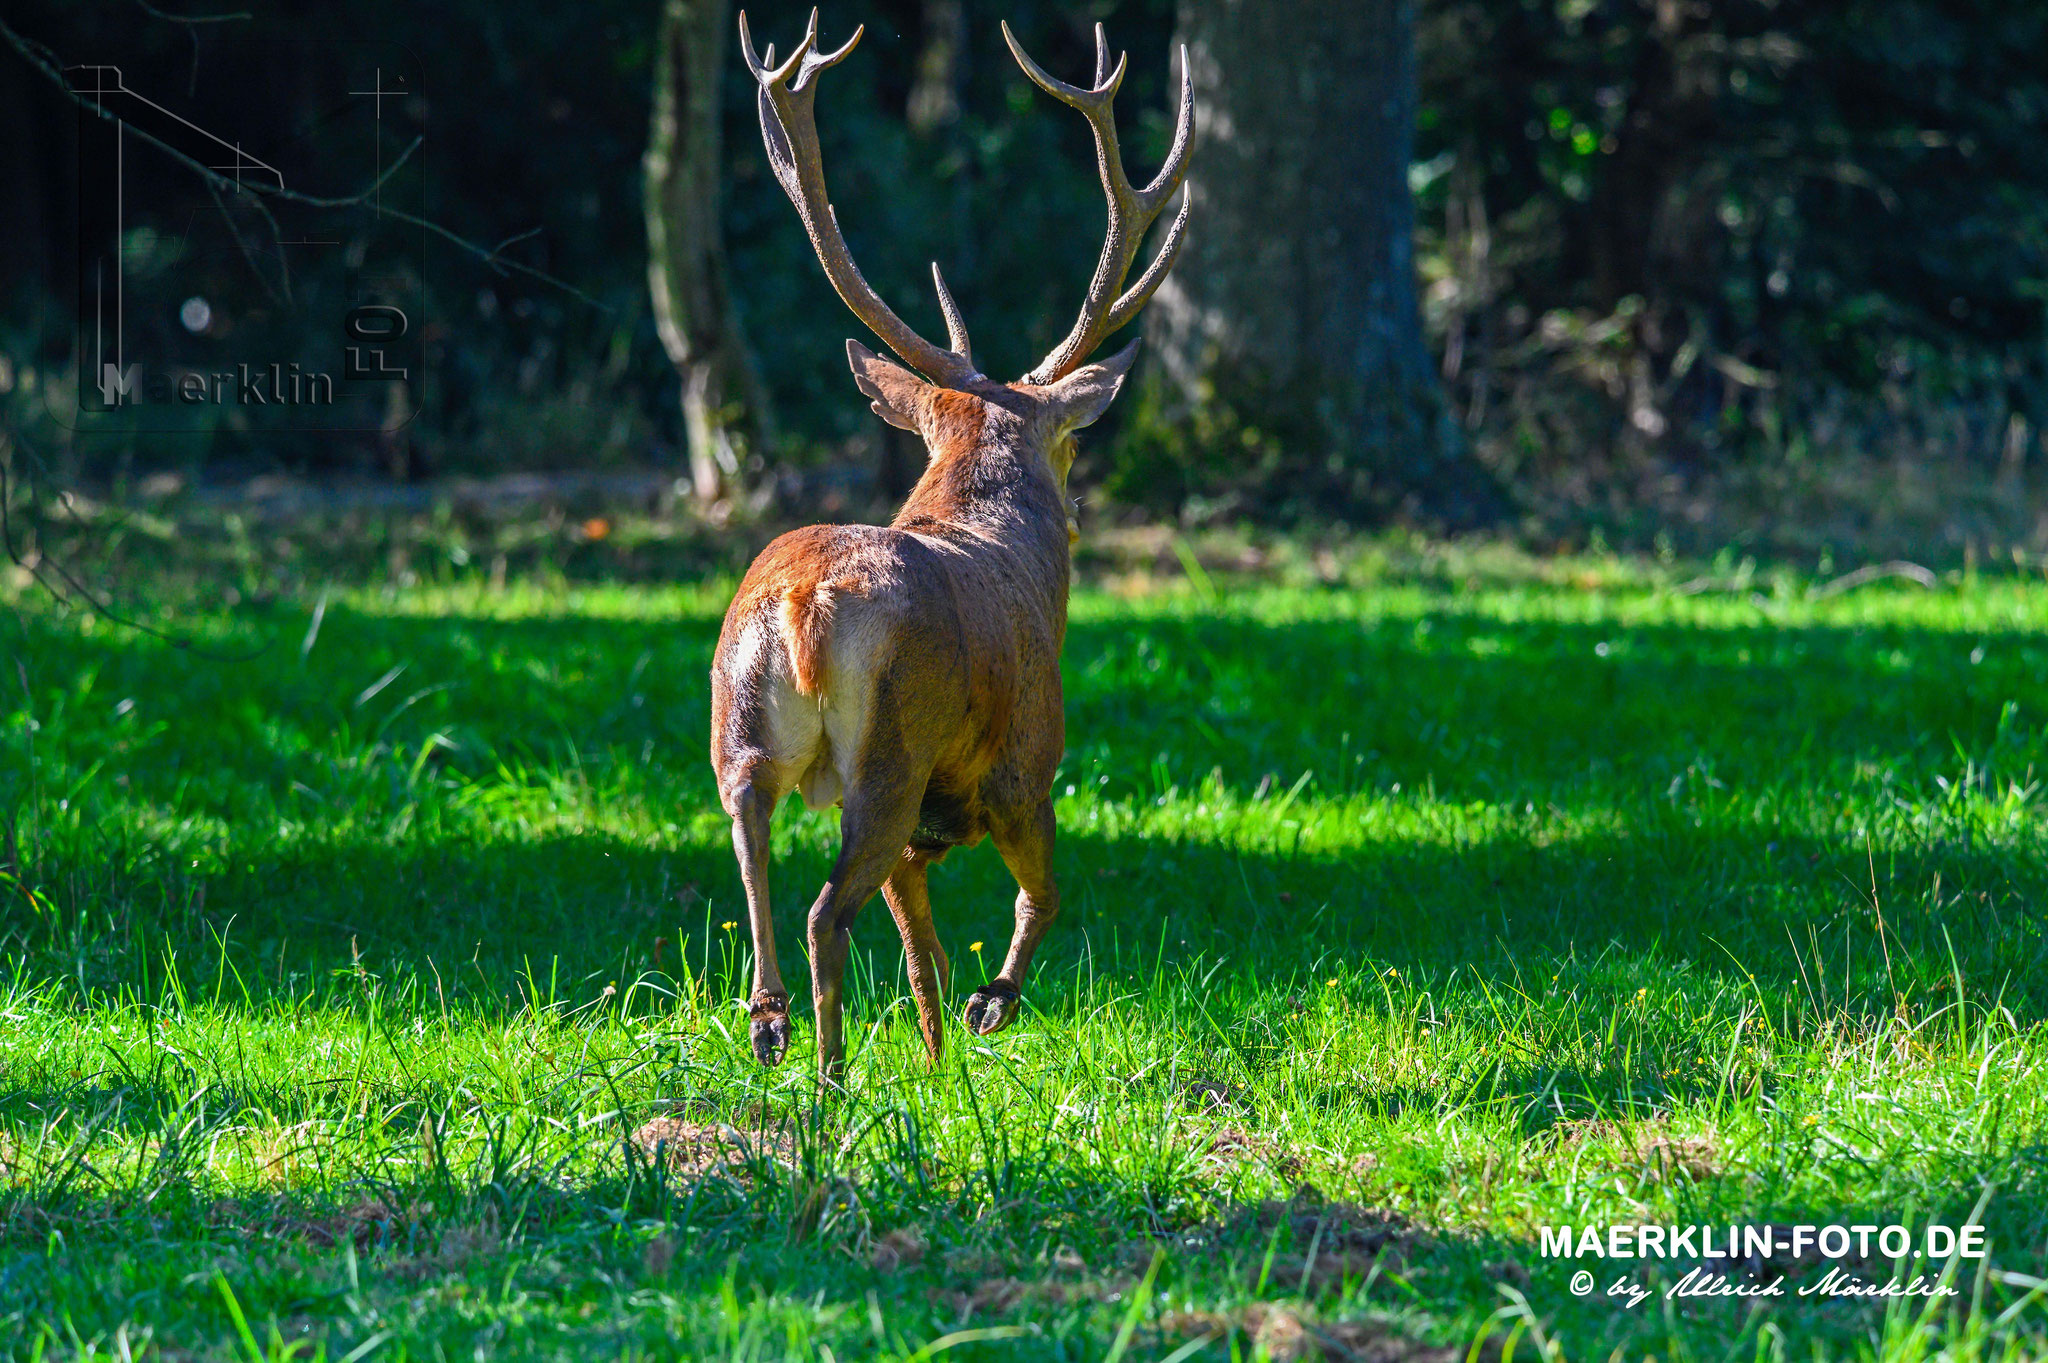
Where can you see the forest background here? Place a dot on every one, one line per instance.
(1641, 272)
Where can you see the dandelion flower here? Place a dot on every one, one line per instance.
(975, 947)
(729, 924)
(1332, 984)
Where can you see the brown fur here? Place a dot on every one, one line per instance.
(806, 618)
(955, 421)
(910, 673)
(795, 579)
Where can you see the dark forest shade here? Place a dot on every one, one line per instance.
(1292, 319)
(1667, 242)
(1669, 254)
(725, 410)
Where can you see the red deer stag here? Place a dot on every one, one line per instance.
(911, 673)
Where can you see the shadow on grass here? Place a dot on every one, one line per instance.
(1472, 705)
(1034, 1240)
(1548, 941)
(1061, 1257)
(540, 918)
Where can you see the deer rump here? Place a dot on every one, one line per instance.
(859, 650)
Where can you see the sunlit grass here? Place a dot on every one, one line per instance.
(344, 961)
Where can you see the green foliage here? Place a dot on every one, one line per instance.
(1233, 455)
(1478, 893)
(1664, 239)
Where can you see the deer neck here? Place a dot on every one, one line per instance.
(988, 481)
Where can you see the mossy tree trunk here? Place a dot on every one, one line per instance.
(726, 420)
(1289, 334)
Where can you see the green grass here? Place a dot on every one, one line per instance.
(1402, 918)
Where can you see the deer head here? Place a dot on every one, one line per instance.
(1061, 393)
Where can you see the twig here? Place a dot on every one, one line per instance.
(34, 568)
(516, 238)
(1711, 584)
(191, 23)
(284, 269)
(1849, 582)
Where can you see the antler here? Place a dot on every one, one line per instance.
(788, 126)
(1131, 211)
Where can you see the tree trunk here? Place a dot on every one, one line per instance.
(1289, 332)
(725, 410)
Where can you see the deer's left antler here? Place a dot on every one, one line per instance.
(788, 126)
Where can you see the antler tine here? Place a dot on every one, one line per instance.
(1131, 212)
(824, 61)
(1176, 165)
(1133, 300)
(1090, 101)
(763, 68)
(789, 130)
(956, 325)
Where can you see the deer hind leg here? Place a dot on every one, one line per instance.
(880, 813)
(923, 957)
(1026, 847)
(763, 740)
(753, 806)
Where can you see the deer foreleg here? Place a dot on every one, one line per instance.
(1026, 848)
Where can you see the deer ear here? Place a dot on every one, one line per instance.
(1084, 395)
(898, 394)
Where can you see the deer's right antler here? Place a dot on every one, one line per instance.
(1131, 211)
(788, 126)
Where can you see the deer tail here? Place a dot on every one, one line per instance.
(806, 627)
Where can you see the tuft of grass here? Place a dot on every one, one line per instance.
(372, 967)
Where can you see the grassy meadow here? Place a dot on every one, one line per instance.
(371, 961)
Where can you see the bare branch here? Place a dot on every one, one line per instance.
(45, 62)
(69, 590)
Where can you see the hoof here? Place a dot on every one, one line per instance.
(990, 1009)
(770, 1027)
